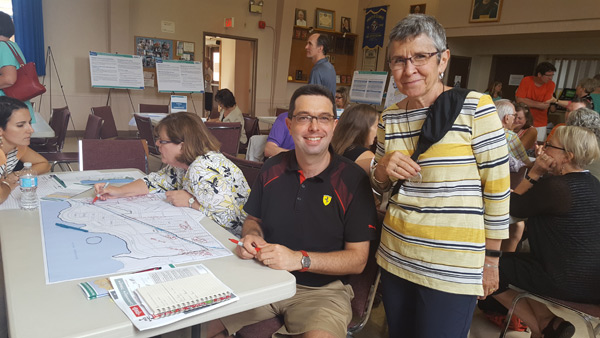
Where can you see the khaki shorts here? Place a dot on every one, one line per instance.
(325, 308)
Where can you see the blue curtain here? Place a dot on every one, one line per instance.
(29, 31)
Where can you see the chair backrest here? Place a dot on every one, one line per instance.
(251, 126)
(279, 111)
(250, 169)
(112, 154)
(93, 127)
(146, 130)
(60, 119)
(256, 148)
(154, 108)
(109, 128)
(228, 134)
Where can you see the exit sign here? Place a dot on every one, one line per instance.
(228, 22)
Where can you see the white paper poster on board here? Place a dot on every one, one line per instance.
(116, 71)
(178, 103)
(368, 87)
(179, 76)
(393, 95)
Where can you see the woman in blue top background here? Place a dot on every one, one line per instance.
(8, 62)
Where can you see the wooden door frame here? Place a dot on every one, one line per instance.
(254, 43)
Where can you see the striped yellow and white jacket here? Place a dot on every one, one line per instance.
(434, 232)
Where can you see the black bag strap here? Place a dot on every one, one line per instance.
(440, 118)
(17, 56)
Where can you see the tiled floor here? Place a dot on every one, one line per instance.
(377, 325)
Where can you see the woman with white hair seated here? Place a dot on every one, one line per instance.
(563, 225)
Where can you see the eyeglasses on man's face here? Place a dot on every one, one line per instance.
(306, 119)
(398, 62)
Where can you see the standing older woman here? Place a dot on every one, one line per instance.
(15, 133)
(197, 175)
(355, 133)
(563, 223)
(229, 111)
(8, 62)
(444, 224)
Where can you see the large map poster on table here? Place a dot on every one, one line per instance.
(84, 240)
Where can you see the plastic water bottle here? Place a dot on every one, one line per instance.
(29, 181)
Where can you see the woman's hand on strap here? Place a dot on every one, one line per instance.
(396, 164)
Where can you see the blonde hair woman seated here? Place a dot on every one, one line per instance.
(563, 226)
(15, 134)
(197, 175)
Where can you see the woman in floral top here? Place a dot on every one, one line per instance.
(196, 174)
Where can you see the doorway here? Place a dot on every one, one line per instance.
(458, 74)
(517, 66)
(233, 60)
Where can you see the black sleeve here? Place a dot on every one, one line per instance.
(550, 196)
(254, 202)
(361, 218)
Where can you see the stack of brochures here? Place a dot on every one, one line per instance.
(156, 298)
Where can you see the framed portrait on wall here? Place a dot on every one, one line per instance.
(325, 19)
(345, 27)
(300, 17)
(485, 10)
(417, 9)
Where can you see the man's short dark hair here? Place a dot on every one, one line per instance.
(7, 27)
(225, 97)
(544, 67)
(313, 90)
(323, 41)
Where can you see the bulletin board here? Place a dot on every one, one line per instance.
(151, 49)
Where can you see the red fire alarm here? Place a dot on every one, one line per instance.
(229, 22)
(262, 24)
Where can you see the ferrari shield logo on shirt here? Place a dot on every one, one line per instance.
(326, 200)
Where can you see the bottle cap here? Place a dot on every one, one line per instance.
(27, 164)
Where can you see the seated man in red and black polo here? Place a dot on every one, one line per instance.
(311, 212)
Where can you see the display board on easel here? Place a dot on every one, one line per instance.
(153, 49)
(179, 76)
(116, 71)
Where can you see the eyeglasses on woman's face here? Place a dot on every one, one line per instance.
(398, 62)
(548, 145)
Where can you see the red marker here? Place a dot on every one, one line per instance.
(240, 243)
(98, 195)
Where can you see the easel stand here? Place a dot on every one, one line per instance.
(50, 56)
(128, 94)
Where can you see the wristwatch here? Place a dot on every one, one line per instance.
(191, 201)
(305, 261)
(493, 253)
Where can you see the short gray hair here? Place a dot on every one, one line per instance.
(416, 24)
(587, 118)
(588, 84)
(504, 107)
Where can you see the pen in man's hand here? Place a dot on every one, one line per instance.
(98, 195)
(240, 243)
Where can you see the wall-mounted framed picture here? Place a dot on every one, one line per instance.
(485, 10)
(300, 17)
(345, 27)
(325, 19)
(418, 9)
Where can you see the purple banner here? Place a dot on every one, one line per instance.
(375, 27)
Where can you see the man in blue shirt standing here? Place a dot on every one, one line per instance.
(322, 72)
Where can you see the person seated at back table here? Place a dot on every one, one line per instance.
(197, 175)
(506, 113)
(15, 134)
(355, 133)
(279, 139)
(563, 225)
(311, 213)
(229, 111)
(523, 127)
